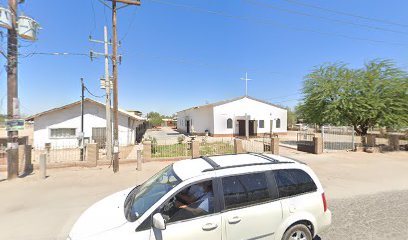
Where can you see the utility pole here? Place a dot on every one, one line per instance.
(12, 92)
(108, 98)
(115, 82)
(115, 91)
(81, 143)
(107, 85)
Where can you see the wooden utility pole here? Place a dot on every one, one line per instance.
(12, 92)
(81, 145)
(115, 82)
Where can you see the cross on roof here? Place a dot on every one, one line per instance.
(246, 79)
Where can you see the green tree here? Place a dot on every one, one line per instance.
(155, 118)
(374, 95)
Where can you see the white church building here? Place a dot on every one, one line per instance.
(242, 116)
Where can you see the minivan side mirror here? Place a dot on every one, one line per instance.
(158, 221)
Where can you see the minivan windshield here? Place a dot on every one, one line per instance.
(142, 197)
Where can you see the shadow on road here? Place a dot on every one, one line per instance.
(317, 238)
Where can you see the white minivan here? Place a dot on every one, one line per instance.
(241, 196)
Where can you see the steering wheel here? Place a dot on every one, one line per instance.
(171, 204)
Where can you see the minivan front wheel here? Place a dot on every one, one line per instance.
(297, 232)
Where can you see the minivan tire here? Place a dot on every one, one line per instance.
(297, 232)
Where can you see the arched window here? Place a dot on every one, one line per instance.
(229, 123)
(278, 123)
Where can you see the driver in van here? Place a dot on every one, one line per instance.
(202, 204)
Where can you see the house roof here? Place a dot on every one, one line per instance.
(31, 118)
(231, 100)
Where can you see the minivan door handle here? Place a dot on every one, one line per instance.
(234, 220)
(209, 226)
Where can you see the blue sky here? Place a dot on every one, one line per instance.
(182, 53)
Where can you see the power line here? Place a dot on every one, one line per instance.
(270, 6)
(101, 96)
(346, 13)
(94, 17)
(269, 22)
(129, 26)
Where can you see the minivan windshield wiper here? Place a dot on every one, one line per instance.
(141, 198)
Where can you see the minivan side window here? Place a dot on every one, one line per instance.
(193, 201)
(244, 190)
(293, 182)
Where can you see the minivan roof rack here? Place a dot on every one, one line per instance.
(211, 162)
(216, 166)
(264, 157)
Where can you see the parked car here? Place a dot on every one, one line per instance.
(241, 196)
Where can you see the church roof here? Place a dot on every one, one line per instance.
(232, 100)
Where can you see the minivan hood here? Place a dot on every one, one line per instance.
(102, 216)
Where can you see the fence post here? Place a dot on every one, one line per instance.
(92, 154)
(322, 133)
(318, 145)
(48, 149)
(275, 145)
(238, 146)
(139, 160)
(147, 151)
(371, 140)
(28, 166)
(393, 141)
(43, 166)
(195, 149)
(353, 141)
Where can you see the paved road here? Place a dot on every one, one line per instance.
(367, 193)
(372, 217)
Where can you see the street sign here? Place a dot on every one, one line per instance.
(14, 124)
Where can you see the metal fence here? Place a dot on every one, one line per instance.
(255, 145)
(58, 154)
(219, 147)
(164, 150)
(338, 138)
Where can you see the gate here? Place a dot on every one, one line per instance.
(99, 136)
(338, 138)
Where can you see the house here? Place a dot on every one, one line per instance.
(62, 126)
(242, 116)
(169, 122)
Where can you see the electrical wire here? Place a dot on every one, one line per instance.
(129, 26)
(346, 13)
(275, 24)
(94, 17)
(101, 96)
(270, 6)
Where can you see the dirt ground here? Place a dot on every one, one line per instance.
(32, 208)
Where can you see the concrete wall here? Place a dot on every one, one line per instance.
(201, 119)
(94, 116)
(256, 110)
